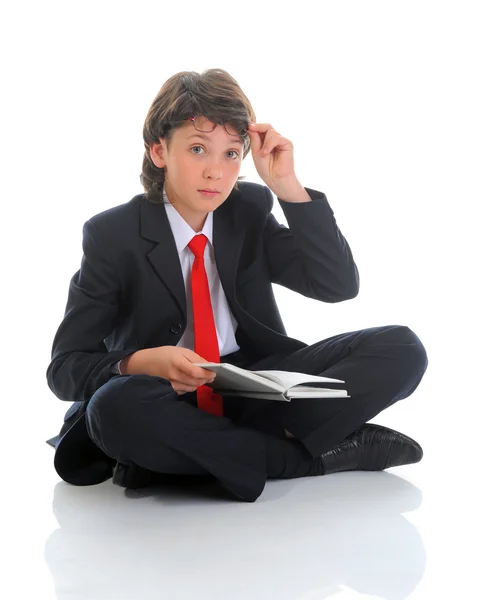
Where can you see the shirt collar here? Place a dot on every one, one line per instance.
(182, 231)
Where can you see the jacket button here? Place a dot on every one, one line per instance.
(176, 328)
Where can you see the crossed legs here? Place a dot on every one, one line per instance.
(139, 419)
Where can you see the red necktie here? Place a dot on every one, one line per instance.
(205, 337)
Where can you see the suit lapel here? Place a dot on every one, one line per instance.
(228, 239)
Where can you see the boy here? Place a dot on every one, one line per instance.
(180, 275)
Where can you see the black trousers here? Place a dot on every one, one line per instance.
(141, 420)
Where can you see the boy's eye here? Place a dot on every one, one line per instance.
(237, 153)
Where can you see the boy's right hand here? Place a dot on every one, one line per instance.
(172, 363)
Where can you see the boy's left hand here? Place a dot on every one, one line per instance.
(276, 166)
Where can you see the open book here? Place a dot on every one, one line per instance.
(270, 385)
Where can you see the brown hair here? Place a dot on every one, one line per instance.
(213, 93)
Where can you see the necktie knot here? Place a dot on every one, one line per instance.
(197, 245)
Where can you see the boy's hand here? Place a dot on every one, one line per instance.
(172, 363)
(273, 157)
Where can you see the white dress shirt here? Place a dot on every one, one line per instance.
(226, 324)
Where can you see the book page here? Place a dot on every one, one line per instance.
(231, 377)
(291, 378)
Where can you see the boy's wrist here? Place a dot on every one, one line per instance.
(126, 364)
(132, 364)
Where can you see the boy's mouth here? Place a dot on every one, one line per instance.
(208, 192)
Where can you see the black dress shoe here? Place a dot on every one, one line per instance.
(134, 477)
(372, 448)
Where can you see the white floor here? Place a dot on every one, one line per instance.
(405, 533)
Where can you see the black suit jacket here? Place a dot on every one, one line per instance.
(129, 294)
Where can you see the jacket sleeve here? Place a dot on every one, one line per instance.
(80, 362)
(311, 256)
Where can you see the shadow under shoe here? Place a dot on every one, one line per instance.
(372, 448)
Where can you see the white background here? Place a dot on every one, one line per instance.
(379, 99)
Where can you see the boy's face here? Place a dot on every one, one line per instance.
(195, 163)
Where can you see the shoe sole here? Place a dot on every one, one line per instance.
(384, 448)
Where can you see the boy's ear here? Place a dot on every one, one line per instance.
(156, 152)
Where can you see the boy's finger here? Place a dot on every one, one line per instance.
(260, 126)
(255, 141)
(203, 373)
